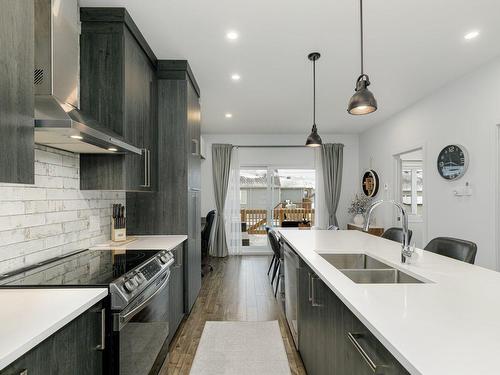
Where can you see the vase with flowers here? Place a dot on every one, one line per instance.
(358, 208)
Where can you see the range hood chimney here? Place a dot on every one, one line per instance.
(58, 121)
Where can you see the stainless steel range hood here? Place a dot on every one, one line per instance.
(58, 121)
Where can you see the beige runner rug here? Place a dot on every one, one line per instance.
(241, 348)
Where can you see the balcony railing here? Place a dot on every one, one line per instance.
(256, 219)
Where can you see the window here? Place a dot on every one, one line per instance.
(412, 186)
(274, 197)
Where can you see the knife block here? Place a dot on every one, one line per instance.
(117, 235)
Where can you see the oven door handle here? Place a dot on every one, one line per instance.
(124, 317)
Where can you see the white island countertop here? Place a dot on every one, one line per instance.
(154, 242)
(29, 316)
(449, 325)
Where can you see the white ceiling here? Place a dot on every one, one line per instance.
(412, 48)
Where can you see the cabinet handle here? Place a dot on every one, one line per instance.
(180, 253)
(149, 168)
(145, 152)
(313, 293)
(102, 345)
(309, 286)
(352, 338)
(196, 147)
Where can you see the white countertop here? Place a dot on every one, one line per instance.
(160, 242)
(29, 316)
(450, 325)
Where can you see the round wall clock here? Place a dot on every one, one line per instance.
(452, 162)
(370, 183)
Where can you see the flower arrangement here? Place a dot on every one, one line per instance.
(359, 205)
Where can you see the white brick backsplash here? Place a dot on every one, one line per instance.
(8, 192)
(75, 226)
(44, 206)
(84, 204)
(51, 217)
(61, 217)
(40, 169)
(91, 194)
(21, 221)
(21, 248)
(71, 161)
(60, 171)
(71, 183)
(48, 157)
(12, 208)
(49, 182)
(12, 236)
(62, 194)
(44, 231)
(36, 206)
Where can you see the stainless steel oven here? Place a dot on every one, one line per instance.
(142, 329)
(137, 320)
(291, 290)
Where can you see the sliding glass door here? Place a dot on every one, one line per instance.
(274, 197)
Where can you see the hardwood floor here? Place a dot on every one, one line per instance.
(238, 289)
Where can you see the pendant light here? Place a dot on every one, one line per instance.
(314, 140)
(363, 101)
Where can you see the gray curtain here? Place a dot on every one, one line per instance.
(221, 165)
(332, 156)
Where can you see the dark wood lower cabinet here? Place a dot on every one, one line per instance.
(332, 340)
(192, 277)
(176, 291)
(73, 350)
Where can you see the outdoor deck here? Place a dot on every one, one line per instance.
(256, 219)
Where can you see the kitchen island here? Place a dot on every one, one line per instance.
(446, 323)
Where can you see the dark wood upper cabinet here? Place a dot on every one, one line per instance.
(16, 93)
(118, 88)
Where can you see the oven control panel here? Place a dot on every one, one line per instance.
(150, 270)
(128, 287)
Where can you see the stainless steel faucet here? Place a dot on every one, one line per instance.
(406, 251)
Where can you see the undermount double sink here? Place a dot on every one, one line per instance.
(363, 269)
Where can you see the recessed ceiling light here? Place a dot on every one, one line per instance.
(235, 77)
(471, 35)
(112, 149)
(232, 35)
(229, 115)
(76, 136)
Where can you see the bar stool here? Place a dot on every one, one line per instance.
(274, 256)
(396, 234)
(278, 254)
(453, 248)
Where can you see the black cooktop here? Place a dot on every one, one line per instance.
(87, 267)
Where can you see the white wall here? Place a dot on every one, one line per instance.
(52, 217)
(466, 112)
(283, 157)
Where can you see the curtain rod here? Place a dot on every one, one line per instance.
(273, 146)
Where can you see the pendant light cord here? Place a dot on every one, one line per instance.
(361, 34)
(314, 92)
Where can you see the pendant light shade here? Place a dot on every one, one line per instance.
(314, 140)
(363, 101)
